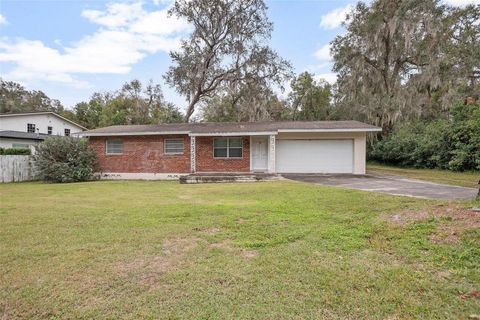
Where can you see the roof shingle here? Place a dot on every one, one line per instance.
(232, 127)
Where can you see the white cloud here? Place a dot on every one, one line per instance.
(158, 22)
(323, 54)
(334, 18)
(159, 2)
(3, 20)
(461, 3)
(127, 34)
(116, 15)
(329, 77)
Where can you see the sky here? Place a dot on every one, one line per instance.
(70, 49)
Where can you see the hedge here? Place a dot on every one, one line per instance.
(452, 143)
(15, 151)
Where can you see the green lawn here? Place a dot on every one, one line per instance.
(268, 250)
(463, 179)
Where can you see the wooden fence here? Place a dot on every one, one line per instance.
(16, 168)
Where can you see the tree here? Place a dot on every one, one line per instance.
(310, 99)
(15, 98)
(225, 47)
(389, 61)
(89, 113)
(249, 103)
(462, 68)
(134, 103)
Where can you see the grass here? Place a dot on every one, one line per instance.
(464, 179)
(270, 250)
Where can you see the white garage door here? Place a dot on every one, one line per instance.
(314, 156)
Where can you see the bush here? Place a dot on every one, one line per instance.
(465, 137)
(15, 151)
(452, 143)
(64, 159)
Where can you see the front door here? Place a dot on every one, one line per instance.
(259, 154)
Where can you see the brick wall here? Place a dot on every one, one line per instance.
(205, 162)
(143, 154)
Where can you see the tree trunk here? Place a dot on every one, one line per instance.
(191, 106)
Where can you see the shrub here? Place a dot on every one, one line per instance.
(15, 151)
(64, 159)
(465, 137)
(452, 143)
(400, 147)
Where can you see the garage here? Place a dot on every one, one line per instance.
(314, 156)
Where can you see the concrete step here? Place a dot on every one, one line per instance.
(222, 178)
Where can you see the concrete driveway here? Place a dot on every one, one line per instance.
(389, 184)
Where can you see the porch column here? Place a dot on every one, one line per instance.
(192, 154)
(271, 154)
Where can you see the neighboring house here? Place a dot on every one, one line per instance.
(16, 139)
(20, 130)
(169, 150)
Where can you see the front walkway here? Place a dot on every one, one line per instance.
(389, 184)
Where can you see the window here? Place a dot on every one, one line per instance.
(114, 146)
(49, 130)
(30, 127)
(227, 147)
(67, 132)
(174, 146)
(20, 145)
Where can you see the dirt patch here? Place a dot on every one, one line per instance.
(212, 230)
(452, 220)
(470, 295)
(228, 247)
(147, 270)
(248, 253)
(179, 246)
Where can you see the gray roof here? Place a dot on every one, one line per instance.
(22, 135)
(232, 127)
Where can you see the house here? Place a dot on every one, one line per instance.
(169, 150)
(25, 130)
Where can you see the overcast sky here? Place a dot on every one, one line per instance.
(70, 49)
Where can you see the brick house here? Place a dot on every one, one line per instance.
(166, 151)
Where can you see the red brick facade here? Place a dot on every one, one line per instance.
(205, 162)
(142, 154)
(145, 154)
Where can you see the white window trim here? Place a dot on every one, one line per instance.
(173, 139)
(34, 127)
(113, 154)
(228, 148)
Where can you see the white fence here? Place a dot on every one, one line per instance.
(16, 168)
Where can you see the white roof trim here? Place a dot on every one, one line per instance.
(114, 134)
(42, 112)
(24, 114)
(330, 130)
(217, 134)
(226, 134)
